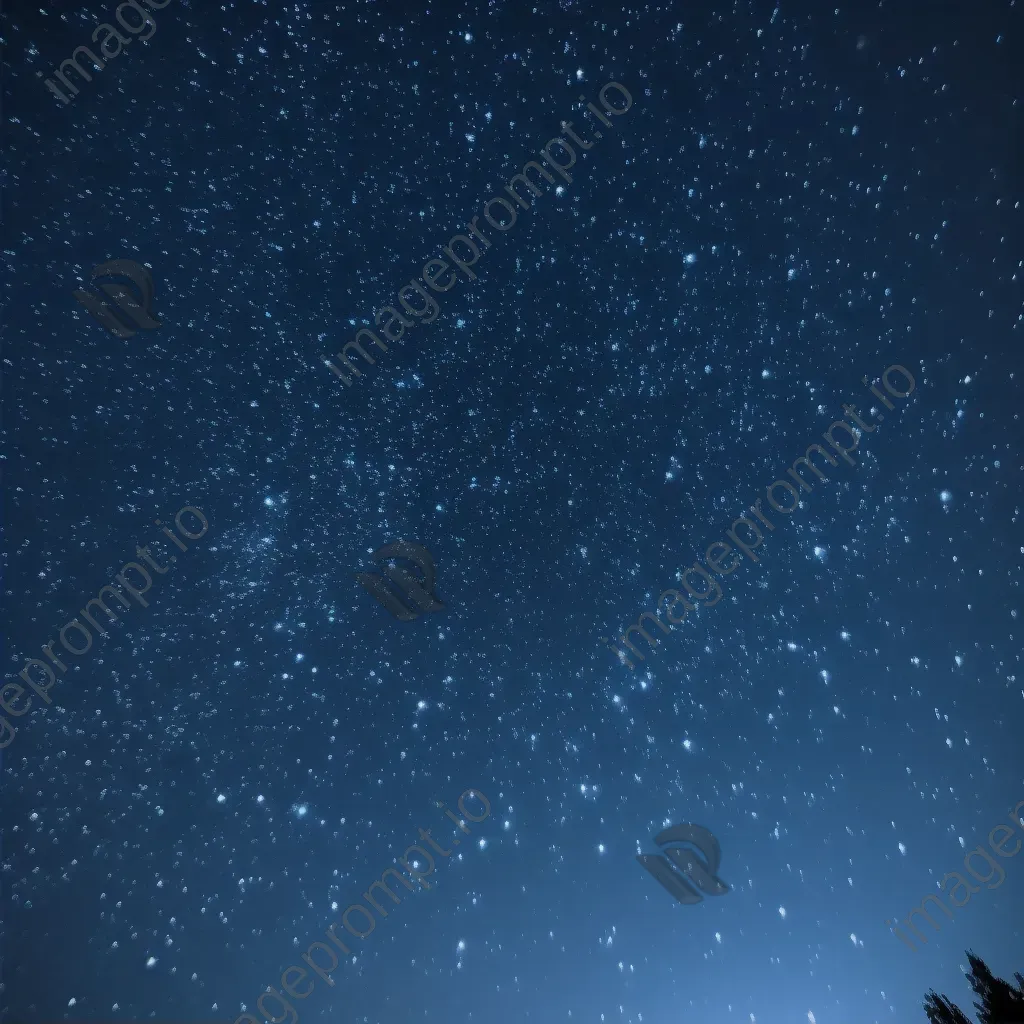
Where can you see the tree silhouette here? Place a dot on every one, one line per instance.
(997, 1002)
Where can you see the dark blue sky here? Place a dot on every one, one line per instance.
(799, 196)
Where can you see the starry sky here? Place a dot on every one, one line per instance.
(800, 196)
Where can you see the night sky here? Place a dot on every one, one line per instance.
(798, 198)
